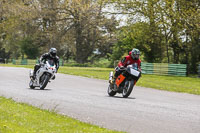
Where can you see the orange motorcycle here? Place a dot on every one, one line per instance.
(125, 81)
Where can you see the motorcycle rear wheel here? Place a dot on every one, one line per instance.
(128, 88)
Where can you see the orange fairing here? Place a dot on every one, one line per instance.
(119, 80)
(135, 82)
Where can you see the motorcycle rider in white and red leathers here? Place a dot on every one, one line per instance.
(132, 58)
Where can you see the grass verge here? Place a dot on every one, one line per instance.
(169, 83)
(22, 118)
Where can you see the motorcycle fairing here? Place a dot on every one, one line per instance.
(133, 71)
(120, 79)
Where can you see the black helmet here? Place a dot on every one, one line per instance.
(52, 52)
(135, 53)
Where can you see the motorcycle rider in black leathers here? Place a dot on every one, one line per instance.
(51, 55)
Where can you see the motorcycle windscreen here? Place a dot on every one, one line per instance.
(134, 72)
(119, 80)
(133, 66)
(51, 62)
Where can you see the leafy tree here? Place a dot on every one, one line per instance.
(86, 24)
(153, 38)
(15, 25)
(28, 48)
(173, 32)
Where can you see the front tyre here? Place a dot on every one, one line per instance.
(31, 85)
(44, 80)
(128, 88)
(110, 91)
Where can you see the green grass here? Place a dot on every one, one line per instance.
(169, 83)
(21, 118)
(11, 65)
(91, 72)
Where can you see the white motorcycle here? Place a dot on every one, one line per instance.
(43, 75)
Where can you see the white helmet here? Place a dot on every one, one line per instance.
(135, 53)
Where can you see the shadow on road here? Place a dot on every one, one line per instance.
(38, 89)
(121, 97)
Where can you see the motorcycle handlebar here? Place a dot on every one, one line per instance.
(123, 69)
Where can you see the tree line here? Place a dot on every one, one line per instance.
(165, 31)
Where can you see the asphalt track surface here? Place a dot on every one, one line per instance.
(145, 111)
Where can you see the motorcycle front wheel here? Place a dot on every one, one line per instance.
(110, 91)
(31, 85)
(44, 80)
(128, 88)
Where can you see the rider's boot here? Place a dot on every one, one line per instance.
(34, 75)
(113, 80)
